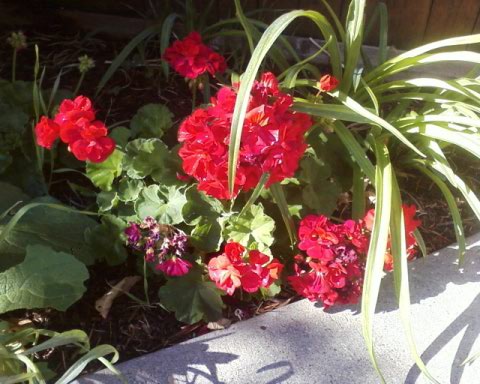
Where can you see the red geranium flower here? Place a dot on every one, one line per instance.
(234, 269)
(191, 58)
(74, 124)
(272, 139)
(46, 132)
(74, 110)
(332, 272)
(327, 83)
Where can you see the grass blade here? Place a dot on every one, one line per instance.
(374, 119)
(279, 196)
(452, 206)
(377, 248)
(96, 353)
(355, 150)
(146, 33)
(400, 275)
(353, 41)
(358, 192)
(165, 34)
(267, 40)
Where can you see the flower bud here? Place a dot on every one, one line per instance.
(85, 63)
(17, 40)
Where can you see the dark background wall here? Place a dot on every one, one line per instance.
(411, 22)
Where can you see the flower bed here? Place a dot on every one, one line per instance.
(289, 182)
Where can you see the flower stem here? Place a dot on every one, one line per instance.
(194, 94)
(14, 64)
(80, 80)
(145, 281)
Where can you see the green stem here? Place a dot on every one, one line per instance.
(206, 89)
(80, 80)
(14, 64)
(194, 94)
(145, 281)
(52, 163)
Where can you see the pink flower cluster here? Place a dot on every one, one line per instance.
(272, 139)
(76, 126)
(162, 245)
(334, 267)
(237, 268)
(191, 58)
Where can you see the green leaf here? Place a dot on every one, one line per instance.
(204, 213)
(355, 149)
(61, 229)
(207, 235)
(192, 299)
(151, 121)
(102, 174)
(151, 158)
(145, 34)
(9, 195)
(267, 40)
(400, 274)
(320, 194)
(253, 229)
(107, 240)
(163, 203)
(454, 212)
(199, 206)
(106, 200)
(353, 41)
(129, 189)
(121, 135)
(44, 279)
(377, 248)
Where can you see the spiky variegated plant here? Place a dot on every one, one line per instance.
(447, 116)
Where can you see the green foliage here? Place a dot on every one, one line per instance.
(192, 298)
(44, 279)
(150, 157)
(205, 215)
(102, 174)
(253, 229)
(42, 224)
(320, 194)
(163, 203)
(121, 135)
(106, 239)
(151, 120)
(20, 350)
(371, 116)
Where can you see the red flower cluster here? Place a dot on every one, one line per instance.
(336, 254)
(191, 58)
(327, 83)
(272, 139)
(411, 224)
(230, 271)
(333, 270)
(76, 126)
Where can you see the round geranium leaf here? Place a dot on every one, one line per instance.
(151, 120)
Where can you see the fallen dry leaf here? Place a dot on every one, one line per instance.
(104, 304)
(219, 324)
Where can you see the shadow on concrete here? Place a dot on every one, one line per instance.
(467, 320)
(190, 363)
(282, 366)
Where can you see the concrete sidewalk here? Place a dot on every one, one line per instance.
(300, 343)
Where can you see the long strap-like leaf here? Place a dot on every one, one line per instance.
(267, 40)
(400, 274)
(377, 247)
